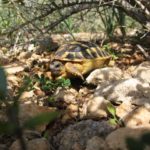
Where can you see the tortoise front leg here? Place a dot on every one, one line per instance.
(74, 69)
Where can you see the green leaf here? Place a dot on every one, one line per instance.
(64, 82)
(6, 127)
(111, 109)
(113, 121)
(41, 119)
(3, 84)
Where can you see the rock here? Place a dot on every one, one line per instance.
(133, 116)
(117, 139)
(67, 96)
(132, 89)
(104, 75)
(13, 80)
(84, 97)
(24, 55)
(30, 135)
(31, 47)
(3, 60)
(39, 143)
(27, 95)
(28, 111)
(124, 109)
(97, 108)
(3, 147)
(39, 93)
(46, 43)
(96, 143)
(77, 135)
(138, 117)
(15, 146)
(142, 72)
(79, 104)
(72, 111)
(14, 68)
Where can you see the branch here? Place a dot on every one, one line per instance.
(140, 15)
(50, 9)
(135, 13)
(73, 10)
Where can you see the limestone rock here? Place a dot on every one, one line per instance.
(138, 117)
(97, 108)
(143, 72)
(14, 68)
(3, 60)
(39, 143)
(96, 143)
(27, 95)
(24, 55)
(13, 80)
(70, 113)
(132, 89)
(104, 75)
(133, 116)
(124, 109)
(78, 134)
(67, 96)
(28, 111)
(117, 139)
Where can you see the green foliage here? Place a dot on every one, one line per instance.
(112, 110)
(67, 26)
(53, 85)
(110, 51)
(108, 20)
(121, 20)
(47, 84)
(3, 84)
(52, 101)
(8, 17)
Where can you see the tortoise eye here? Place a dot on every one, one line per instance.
(57, 65)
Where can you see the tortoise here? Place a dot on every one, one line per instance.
(76, 59)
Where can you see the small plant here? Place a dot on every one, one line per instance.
(114, 120)
(48, 84)
(108, 49)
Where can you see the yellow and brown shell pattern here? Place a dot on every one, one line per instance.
(77, 51)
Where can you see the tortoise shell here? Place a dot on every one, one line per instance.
(78, 52)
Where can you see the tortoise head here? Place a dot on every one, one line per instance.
(57, 68)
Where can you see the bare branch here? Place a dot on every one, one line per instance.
(49, 9)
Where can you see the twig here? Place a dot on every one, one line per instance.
(72, 11)
(16, 41)
(61, 15)
(143, 51)
(51, 9)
